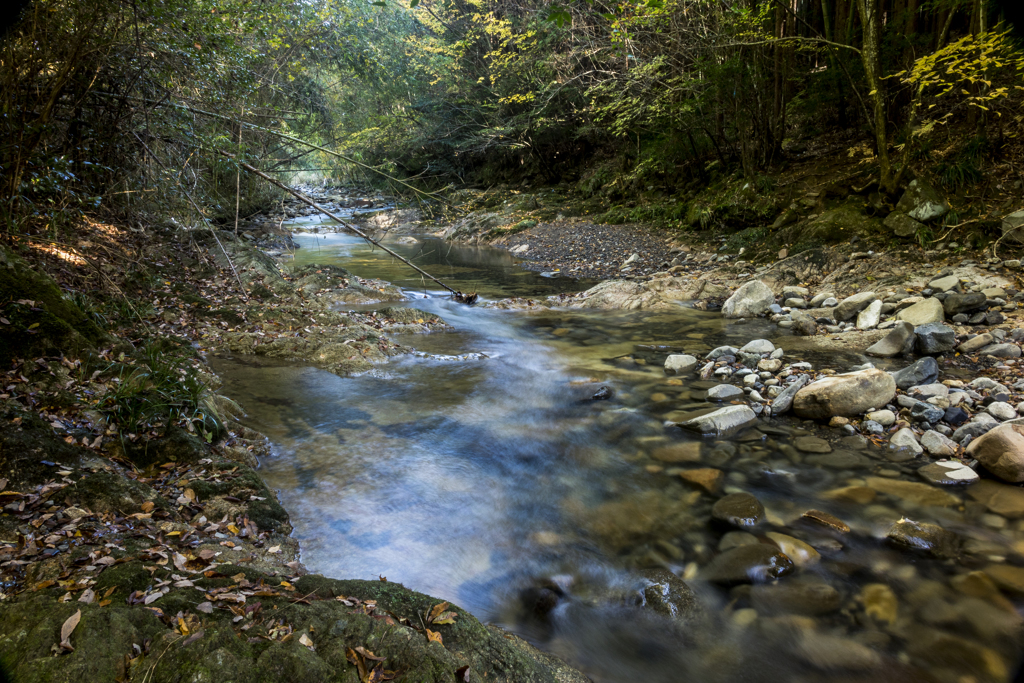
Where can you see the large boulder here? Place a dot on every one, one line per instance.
(1001, 451)
(852, 305)
(845, 395)
(900, 341)
(750, 300)
(923, 312)
(922, 202)
(902, 225)
(1014, 225)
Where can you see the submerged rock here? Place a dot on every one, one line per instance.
(805, 597)
(755, 563)
(1001, 451)
(929, 538)
(724, 421)
(739, 509)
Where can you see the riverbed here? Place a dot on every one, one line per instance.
(523, 466)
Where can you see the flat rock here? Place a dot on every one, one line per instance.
(1001, 499)
(738, 509)
(1013, 227)
(827, 520)
(944, 284)
(975, 343)
(869, 318)
(937, 444)
(681, 364)
(784, 401)
(923, 312)
(707, 478)
(794, 596)
(1006, 350)
(688, 451)
(812, 444)
(846, 395)
(760, 346)
(724, 392)
(956, 302)
(752, 299)
(1001, 451)
(802, 554)
(722, 422)
(913, 492)
(947, 473)
(1007, 577)
(754, 563)
(831, 653)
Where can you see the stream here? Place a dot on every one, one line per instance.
(482, 470)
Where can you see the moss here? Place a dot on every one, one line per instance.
(50, 326)
(176, 445)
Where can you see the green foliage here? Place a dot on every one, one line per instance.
(963, 167)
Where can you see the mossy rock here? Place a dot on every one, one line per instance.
(52, 325)
(834, 226)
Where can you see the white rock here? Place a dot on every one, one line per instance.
(869, 317)
(680, 363)
(937, 444)
(750, 300)
(724, 392)
(758, 346)
(905, 438)
(886, 418)
(1002, 411)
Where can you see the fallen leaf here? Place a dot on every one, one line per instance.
(367, 654)
(274, 549)
(87, 596)
(205, 607)
(434, 637)
(305, 640)
(148, 506)
(462, 674)
(191, 495)
(67, 629)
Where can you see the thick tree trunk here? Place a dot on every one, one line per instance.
(871, 56)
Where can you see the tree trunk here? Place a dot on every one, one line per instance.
(870, 54)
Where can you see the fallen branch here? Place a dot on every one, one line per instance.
(457, 295)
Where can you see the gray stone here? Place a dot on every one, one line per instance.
(938, 445)
(885, 418)
(846, 395)
(905, 439)
(804, 324)
(792, 292)
(956, 303)
(820, 298)
(833, 653)
(898, 342)
(811, 444)
(872, 427)
(902, 225)
(724, 392)
(972, 429)
(1001, 411)
(923, 312)
(927, 412)
(922, 371)
(869, 317)
(739, 509)
(784, 401)
(795, 303)
(747, 564)
(852, 305)
(1013, 227)
(806, 597)
(830, 302)
(722, 422)
(1007, 350)
(681, 364)
(944, 284)
(750, 300)
(1001, 451)
(927, 391)
(934, 338)
(922, 202)
(759, 346)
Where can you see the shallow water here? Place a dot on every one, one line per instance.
(493, 481)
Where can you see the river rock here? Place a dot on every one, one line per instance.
(724, 392)
(802, 554)
(1002, 411)
(974, 429)
(685, 451)
(961, 303)
(884, 417)
(833, 653)
(868, 318)
(1013, 227)
(668, 595)
(947, 473)
(929, 538)
(846, 395)
(750, 300)
(724, 421)
(680, 364)
(922, 202)
(747, 564)
(900, 341)
(796, 596)
(769, 365)
(1001, 451)
(819, 299)
(934, 338)
(827, 520)
(999, 498)
(905, 439)
(938, 445)
(944, 284)
(923, 371)
(811, 444)
(913, 492)
(902, 225)
(738, 509)
(1007, 350)
(759, 346)
(707, 478)
(923, 312)
(784, 400)
(852, 305)
(975, 343)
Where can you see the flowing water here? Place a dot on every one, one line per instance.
(500, 484)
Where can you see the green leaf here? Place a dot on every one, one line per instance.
(413, 3)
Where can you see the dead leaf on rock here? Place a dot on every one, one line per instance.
(205, 607)
(67, 629)
(434, 637)
(87, 596)
(147, 506)
(305, 640)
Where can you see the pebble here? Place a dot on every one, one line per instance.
(886, 418)
(802, 554)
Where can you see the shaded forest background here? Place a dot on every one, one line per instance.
(127, 106)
